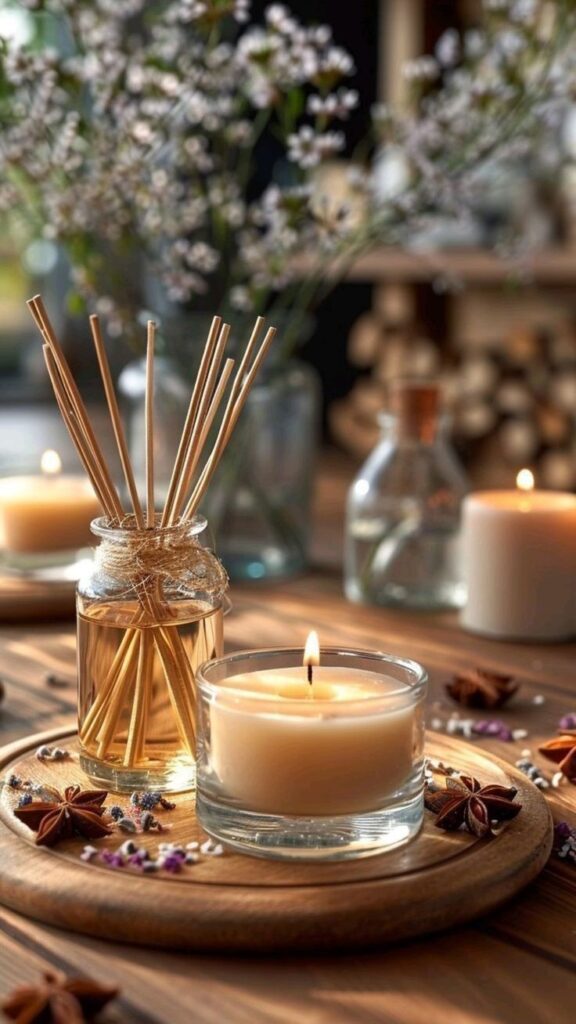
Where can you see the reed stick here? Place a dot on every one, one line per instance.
(85, 455)
(191, 416)
(122, 686)
(178, 689)
(149, 423)
(139, 717)
(125, 653)
(42, 319)
(116, 419)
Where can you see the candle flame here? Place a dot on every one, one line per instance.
(525, 480)
(312, 650)
(50, 463)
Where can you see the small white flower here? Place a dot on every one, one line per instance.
(278, 18)
(524, 11)
(241, 11)
(142, 132)
(336, 62)
(447, 49)
(423, 69)
(308, 148)
(510, 43)
(240, 299)
(337, 104)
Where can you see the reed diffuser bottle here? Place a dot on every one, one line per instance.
(149, 614)
(403, 512)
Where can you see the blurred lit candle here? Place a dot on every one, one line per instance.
(312, 739)
(48, 512)
(519, 550)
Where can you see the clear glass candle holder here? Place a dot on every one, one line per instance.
(45, 522)
(330, 770)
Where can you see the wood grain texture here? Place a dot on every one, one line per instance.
(236, 903)
(516, 966)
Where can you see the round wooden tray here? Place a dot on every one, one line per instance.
(237, 903)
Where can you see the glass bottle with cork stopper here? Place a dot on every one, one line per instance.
(403, 511)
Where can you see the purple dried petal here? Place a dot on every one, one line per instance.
(112, 859)
(568, 721)
(493, 727)
(173, 862)
(138, 859)
(562, 831)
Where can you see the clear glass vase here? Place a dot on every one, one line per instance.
(402, 544)
(259, 502)
(149, 613)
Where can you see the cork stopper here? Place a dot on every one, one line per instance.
(415, 404)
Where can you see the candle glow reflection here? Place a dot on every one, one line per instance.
(525, 480)
(50, 463)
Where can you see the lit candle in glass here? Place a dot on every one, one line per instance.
(301, 742)
(47, 512)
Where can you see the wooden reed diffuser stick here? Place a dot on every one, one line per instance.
(42, 320)
(149, 418)
(86, 456)
(116, 419)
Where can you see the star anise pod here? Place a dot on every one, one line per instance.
(78, 812)
(481, 688)
(465, 802)
(562, 750)
(58, 1000)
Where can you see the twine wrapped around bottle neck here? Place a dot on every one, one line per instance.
(150, 561)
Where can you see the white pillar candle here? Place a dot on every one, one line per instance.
(48, 512)
(519, 550)
(343, 744)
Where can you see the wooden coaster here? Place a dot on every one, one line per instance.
(237, 903)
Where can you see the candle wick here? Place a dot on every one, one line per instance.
(310, 678)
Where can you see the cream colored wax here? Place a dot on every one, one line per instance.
(44, 513)
(340, 746)
(520, 564)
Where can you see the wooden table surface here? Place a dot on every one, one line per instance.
(516, 967)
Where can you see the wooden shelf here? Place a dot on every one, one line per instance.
(471, 266)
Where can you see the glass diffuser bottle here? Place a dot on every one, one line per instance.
(403, 511)
(150, 611)
(149, 614)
